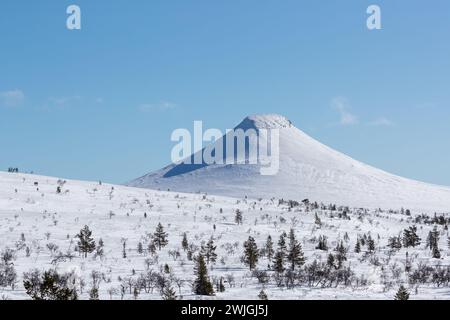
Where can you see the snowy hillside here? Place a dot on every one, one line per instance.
(40, 217)
(308, 169)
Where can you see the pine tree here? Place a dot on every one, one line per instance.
(341, 255)
(436, 252)
(221, 286)
(402, 294)
(317, 220)
(262, 295)
(330, 261)
(269, 248)
(140, 248)
(370, 244)
(278, 262)
(282, 244)
(124, 249)
(358, 246)
(209, 252)
(86, 243)
(238, 217)
(184, 242)
(410, 237)
(49, 286)
(99, 249)
(169, 293)
(251, 253)
(322, 245)
(160, 237)
(295, 253)
(202, 285)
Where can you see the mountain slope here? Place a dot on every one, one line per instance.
(308, 169)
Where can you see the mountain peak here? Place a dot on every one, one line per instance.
(265, 121)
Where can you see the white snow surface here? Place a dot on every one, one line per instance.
(308, 170)
(34, 216)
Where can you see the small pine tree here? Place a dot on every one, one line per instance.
(202, 285)
(330, 261)
(269, 248)
(238, 217)
(358, 246)
(436, 252)
(221, 285)
(282, 244)
(160, 237)
(140, 248)
(209, 252)
(124, 250)
(402, 294)
(322, 245)
(295, 256)
(262, 295)
(251, 253)
(317, 220)
(93, 294)
(169, 293)
(410, 237)
(86, 243)
(278, 262)
(370, 244)
(184, 242)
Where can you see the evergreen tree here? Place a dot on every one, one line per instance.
(209, 252)
(331, 261)
(160, 237)
(322, 245)
(202, 285)
(402, 294)
(341, 255)
(48, 286)
(410, 237)
(262, 295)
(238, 217)
(269, 248)
(278, 262)
(358, 246)
(168, 293)
(221, 286)
(394, 243)
(86, 243)
(295, 254)
(370, 244)
(184, 242)
(93, 294)
(251, 253)
(124, 249)
(436, 252)
(140, 248)
(317, 220)
(282, 244)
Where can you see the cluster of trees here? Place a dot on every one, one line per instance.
(8, 275)
(13, 170)
(49, 285)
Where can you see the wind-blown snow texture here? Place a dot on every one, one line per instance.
(308, 169)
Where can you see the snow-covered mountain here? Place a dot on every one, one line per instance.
(308, 169)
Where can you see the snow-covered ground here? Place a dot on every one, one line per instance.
(308, 169)
(37, 223)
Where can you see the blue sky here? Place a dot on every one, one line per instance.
(101, 102)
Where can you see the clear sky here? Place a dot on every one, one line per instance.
(101, 102)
